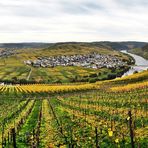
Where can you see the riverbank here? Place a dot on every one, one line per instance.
(140, 64)
(143, 52)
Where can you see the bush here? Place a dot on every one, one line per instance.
(93, 75)
(111, 76)
(92, 80)
(135, 72)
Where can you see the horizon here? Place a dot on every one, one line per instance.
(52, 21)
(70, 42)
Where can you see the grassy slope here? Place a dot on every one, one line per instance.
(141, 51)
(14, 66)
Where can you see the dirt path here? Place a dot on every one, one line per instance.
(28, 77)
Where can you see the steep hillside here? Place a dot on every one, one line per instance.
(141, 51)
(105, 114)
(122, 45)
(145, 48)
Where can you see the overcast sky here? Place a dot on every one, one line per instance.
(73, 20)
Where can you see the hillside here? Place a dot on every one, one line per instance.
(104, 44)
(24, 45)
(145, 48)
(13, 68)
(141, 51)
(121, 45)
(107, 113)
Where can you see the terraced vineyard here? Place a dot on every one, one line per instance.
(104, 114)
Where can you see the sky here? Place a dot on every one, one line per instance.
(73, 20)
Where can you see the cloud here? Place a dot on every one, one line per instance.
(78, 20)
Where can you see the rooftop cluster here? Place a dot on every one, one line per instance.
(93, 60)
(6, 52)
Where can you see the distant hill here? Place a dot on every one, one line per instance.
(145, 48)
(131, 45)
(102, 44)
(143, 51)
(123, 45)
(24, 45)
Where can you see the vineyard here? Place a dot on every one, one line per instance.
(105, 114)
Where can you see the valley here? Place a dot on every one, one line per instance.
(14, 70)
(66, 105)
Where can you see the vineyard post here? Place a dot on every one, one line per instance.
(34, 137)
(8, 138)
(14, 137)
(3, 125)
(71, 139)
(85, 116)
(96, 133)
(131, 129)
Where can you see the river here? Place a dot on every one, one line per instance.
(140, 64)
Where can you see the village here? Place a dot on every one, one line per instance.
(6, 52)
(93, 60)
